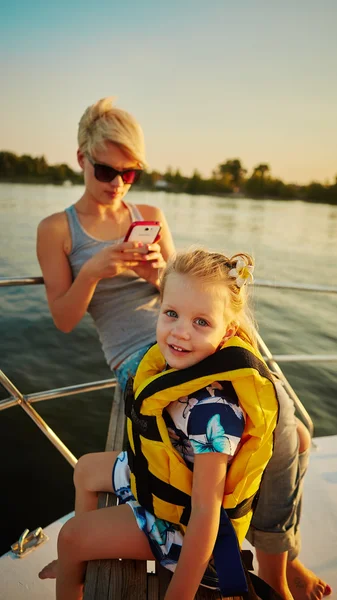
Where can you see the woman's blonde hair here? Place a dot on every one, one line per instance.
(102, 122)
(213, 268)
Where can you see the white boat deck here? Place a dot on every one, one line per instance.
(19, 581)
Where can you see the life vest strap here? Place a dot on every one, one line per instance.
(227, 560)
(241, 509)
(165, 491)
(143, 424)
(225, 360)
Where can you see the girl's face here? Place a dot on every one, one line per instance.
(191, 322)
(111, 192)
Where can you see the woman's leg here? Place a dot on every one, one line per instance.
(302, 582)
(273, 567)
(107, 533)
(275, 525)
(272, 530)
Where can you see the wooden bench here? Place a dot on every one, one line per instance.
(127, 579)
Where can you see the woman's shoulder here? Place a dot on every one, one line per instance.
(54, 226)
(150, 213)
(58, 220)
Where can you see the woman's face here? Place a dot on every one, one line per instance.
(111, 192)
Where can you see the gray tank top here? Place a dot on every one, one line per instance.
(124, 308)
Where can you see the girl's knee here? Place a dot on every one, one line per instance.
(68, 538)
(304, 439)
(83, 470)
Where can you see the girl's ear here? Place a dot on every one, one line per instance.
(80, 158)
(230, 331)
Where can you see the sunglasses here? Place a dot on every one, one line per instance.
(105, 174)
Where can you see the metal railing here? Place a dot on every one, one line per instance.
(303, 287)
(26, 400)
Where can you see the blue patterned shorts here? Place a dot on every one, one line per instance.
(165, 538)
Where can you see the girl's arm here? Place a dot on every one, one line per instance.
(209, 477)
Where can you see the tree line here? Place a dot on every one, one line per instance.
(26, 169)
(227, 178)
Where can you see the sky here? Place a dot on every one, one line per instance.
(207, 80)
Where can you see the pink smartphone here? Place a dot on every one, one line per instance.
(143, 231)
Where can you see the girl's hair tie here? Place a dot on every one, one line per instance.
(242, 272)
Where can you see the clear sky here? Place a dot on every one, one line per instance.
(207, 80)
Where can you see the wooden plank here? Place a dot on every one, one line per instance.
(98, 574)
(128, 579)
(164, 577)
(116, 428)
(152, 587)
(91, 576)
(206, 594)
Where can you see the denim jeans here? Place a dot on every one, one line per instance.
(129, 366)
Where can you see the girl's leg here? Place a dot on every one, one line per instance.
(92, 474)
(107, 533)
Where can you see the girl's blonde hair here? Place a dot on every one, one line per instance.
(213, 268)
(102, 122)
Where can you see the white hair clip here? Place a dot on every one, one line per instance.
(243, 272)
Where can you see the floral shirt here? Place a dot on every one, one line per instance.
(209, 420)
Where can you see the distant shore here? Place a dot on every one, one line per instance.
(228, 179)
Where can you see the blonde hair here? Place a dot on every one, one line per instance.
(213, 268)
(102, 122)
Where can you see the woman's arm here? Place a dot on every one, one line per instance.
(209, 477)
(68, 300)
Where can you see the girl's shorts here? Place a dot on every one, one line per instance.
(165, 538)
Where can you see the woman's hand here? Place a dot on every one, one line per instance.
(150, 264)
(112, 261)
(115, 259)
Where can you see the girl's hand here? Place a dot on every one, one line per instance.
(113, 260)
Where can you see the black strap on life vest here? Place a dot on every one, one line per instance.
(231, 358)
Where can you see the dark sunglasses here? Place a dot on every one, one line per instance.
(104, 173)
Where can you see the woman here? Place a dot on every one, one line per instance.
(87, 267)
(85, 263)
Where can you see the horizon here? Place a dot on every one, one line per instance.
(248, 174)
(206, 83)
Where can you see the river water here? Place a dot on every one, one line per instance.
(291, 241)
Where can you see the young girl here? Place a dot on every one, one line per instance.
(200, 428)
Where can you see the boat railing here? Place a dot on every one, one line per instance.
(17, 398)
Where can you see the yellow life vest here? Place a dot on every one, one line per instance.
(160, 479)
